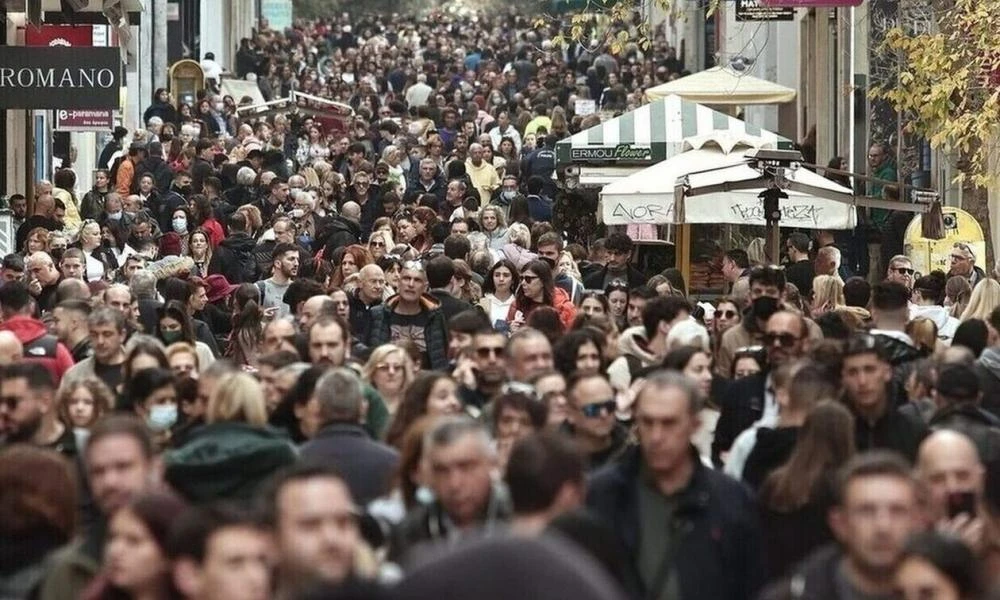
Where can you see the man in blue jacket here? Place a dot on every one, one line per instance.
(690, 531)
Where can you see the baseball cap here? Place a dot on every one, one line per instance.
(958, 382)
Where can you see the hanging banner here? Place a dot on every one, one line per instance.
(808, 213)
(58, 77)
(84, 120)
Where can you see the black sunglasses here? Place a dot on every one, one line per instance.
(785, 340)
(904, 271)
(727, 314)
(592, 411)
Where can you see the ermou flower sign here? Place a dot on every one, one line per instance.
(59, 77)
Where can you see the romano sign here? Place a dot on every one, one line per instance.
(621, 152)
(59, 77)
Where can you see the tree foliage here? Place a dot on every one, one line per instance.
(949, 84)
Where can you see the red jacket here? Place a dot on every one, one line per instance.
(29, 330)
(560, 301)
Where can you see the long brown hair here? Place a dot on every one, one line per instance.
(825, 443)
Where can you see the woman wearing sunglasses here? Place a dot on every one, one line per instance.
(538, 289)
(726, 315)
(380, 243)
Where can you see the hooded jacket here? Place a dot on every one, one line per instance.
(39, 345)
(635, 355)
(239, 249)
(227, 461)
(946, 324)
(342, 232)
(560, 301)
(435, 331)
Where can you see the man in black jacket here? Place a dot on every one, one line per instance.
(367, 466)
(689, 531)
(618, 248)
(864, 564)
(461, 459)
(866, 374)
(343, 229)
(154, 164)
(202, 168)
(240, 265)
(957, 396)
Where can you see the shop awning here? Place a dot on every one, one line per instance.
(652, 133)
(649, 195)
(722, 85)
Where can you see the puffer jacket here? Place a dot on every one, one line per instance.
(560, 301)
(227, 461)
(435, 331)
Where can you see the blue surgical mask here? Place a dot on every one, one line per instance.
(115, 216)
(162, 417)
(180, 225)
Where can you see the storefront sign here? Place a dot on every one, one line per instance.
(621, 152)
(811, 3)
(84, 120)
(58, 77)
(758, 10)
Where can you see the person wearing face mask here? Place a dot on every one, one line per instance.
(154, 399)
(176, 197)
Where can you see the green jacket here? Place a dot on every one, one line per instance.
(887, 171)
(227, 461)
(378, 417)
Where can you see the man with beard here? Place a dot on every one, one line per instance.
(284, 268)
(366, 196)
(119, 466)
(28, 412)
(752, 398)
(618, 247)
(488, 357)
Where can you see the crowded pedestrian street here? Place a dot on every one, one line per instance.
(464, 302)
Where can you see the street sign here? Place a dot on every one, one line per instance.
(757, 10)
(84, 120)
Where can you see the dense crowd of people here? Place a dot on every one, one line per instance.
(263, 360)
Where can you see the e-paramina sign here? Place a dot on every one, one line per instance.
(59, 77)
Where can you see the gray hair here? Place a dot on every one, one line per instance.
(448, 430)
(664, 379)
(295, 369)
(143, 284)
(245, 176)
(339, 395)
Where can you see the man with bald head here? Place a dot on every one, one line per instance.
(11, 350)
(314, 307)
(43, 216)
(72, 289)
(345, 228)
(953, 478)
(43, 280)
(483, 175)
(366, 296)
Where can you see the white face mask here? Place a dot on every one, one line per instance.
(162, 417)
(297, 213)
(180, 225)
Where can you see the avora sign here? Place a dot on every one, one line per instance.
(58, 77)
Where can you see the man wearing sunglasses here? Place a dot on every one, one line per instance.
(752, 398)
(591, 420)
(963, 263)
(900, 271)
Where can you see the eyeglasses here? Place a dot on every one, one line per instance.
(964, 248)
(592, 411)
(727, 314)
(528, 278)
(785, 340)
(378, 244)
(749, 350)
(389, 367)
(904, 271)
(486, 352)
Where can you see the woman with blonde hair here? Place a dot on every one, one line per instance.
(390, 371)
(957, 291)
(985, 297)
(255, 222)
(494, 225)
(567, 266)
(828, 294)
(183, 359)
(235, 451)
(924, 333)
(380, 243)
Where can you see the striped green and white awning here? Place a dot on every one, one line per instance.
(652, 133)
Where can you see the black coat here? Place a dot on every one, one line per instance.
(450, 305)
(595, 281)
(981, 426)
(901, 430)
(163, 176)
(367, 466)
(340, 232)
(739, 408)
(814, 579)
(718, 554)
(240, 248)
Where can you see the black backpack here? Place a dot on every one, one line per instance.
(247, 267)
